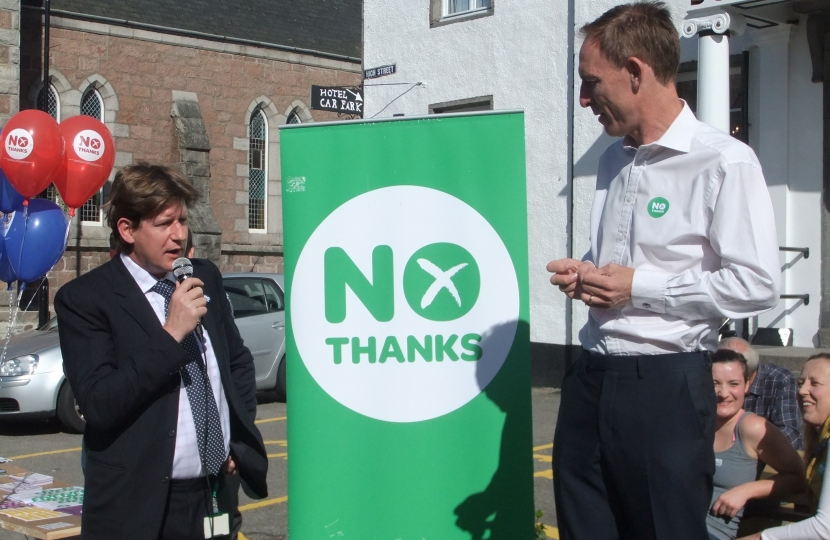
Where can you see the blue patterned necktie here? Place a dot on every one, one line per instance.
(199, 392)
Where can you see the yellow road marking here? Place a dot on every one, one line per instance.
(241, 536)
(278, 455)
(543, 447)
(281, 443)
(543, 458)
(264, 420)
(544, 474)
(24, 456)
(550, 532)
(260, 504)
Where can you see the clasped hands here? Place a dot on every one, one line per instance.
(605, 287)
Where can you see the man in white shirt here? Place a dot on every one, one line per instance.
(682, 235)
(165, 382)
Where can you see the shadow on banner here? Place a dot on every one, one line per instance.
(502, 508)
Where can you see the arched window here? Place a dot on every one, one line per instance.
(50, 97)
(293, 118)
(92, 105)
(49, 102)
(257, 170)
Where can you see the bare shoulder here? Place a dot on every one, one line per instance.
(754, 427)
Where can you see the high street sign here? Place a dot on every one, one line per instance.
(381, 71)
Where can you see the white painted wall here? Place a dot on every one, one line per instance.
(522, 56)
(786, 133)
(803, 182)
(519, 55)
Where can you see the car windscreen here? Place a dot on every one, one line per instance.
(253, 296)
(51, 326)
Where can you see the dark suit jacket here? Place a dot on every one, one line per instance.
(124, 371)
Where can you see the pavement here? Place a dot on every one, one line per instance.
(40, 446)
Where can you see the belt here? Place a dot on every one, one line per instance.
(189, 484)
(646, 362)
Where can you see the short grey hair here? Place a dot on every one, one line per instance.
(742, 346)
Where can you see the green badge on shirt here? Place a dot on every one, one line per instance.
(657, 207)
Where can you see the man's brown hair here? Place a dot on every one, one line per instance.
(143, 191)
(643, 30)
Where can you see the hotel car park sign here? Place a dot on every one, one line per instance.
(339, 99)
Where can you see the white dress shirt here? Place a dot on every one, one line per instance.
(186, 460)
(691, 214)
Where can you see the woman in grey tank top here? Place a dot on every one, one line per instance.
(741, 439)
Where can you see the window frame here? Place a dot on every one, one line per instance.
(445, 9)
(439, 13)
(264, 162)
(738, 66)
(56, 96)
(97, 95)
(294, 115)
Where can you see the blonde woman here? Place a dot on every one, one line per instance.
(814, 399)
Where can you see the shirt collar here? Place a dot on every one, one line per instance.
(142, 277)
(678, 136)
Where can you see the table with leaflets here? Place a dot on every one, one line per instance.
(37, 505)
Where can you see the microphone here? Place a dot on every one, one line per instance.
(183, 269)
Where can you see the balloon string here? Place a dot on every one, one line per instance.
(32, 299)
(22, 243)
(13, 312)
(66, 236)
(12, 320)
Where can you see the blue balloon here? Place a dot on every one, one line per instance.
(34, 244)
(10, 199)
(6, 272)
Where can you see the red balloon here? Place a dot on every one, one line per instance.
(90, 155)
(32, 151)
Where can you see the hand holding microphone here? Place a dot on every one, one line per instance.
(188, 303)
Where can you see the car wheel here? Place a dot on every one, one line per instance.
(280, 388)
(69, 414)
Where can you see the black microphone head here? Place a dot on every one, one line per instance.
(182, 269)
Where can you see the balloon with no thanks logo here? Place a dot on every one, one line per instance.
(31, 153)
(90, 155)
(35, 242)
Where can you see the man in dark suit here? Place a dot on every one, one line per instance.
(169, 406)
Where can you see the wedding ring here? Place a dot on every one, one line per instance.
(590, 299)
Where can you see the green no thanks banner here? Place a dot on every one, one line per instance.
(408, 340)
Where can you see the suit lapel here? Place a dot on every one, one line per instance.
(132, 298)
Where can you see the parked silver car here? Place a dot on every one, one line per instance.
(258, 303)
(32, 382)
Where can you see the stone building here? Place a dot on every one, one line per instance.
(202, 85)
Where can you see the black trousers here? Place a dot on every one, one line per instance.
(633, 454)
(188, 503)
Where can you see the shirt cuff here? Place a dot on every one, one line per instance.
(648, 290)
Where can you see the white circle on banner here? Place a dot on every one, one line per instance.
(19, 144)
(413, 364)
(89, 145)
